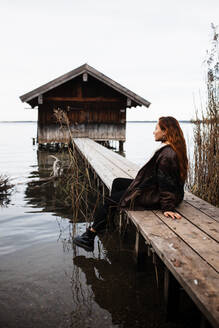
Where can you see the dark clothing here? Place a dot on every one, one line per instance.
(156, 186)
(119, 187)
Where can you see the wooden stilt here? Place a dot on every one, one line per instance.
(137, 245)
(140, 252)
(120, 145)
(204, 322)
(103, 193)
(149, 251)
(120, 221)
(95, 175)
(155, 262)
(171, 295)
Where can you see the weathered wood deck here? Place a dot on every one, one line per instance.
(189, 247)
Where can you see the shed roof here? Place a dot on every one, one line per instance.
(78, 71)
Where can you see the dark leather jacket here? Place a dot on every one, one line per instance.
(157, 184)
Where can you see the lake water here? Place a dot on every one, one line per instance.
(44, 282)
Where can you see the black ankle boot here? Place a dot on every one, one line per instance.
(86, 240)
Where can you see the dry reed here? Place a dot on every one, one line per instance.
(204, 177)
(5, 190)
(78, 182)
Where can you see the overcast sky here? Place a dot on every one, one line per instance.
(154, 48)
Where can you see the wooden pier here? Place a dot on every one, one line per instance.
(189, 248)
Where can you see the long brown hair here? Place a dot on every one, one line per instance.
(175, 137)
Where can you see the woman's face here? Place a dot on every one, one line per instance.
(158, 133)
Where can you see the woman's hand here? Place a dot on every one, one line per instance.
(173, 215)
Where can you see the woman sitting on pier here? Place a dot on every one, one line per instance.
(158, 185)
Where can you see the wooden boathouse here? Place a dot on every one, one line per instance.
(95, 106)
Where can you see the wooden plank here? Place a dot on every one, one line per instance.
(105, 131)
(202, 205)
(200, 219)
(116, 159)
(84, 99)
(79, 90)
(199, 279)
(90, 156)
(96, 162)
(120, 160)
(104, 169)
(202, 244)
(110, 161)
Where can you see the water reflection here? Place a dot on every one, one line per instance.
(4, 199)
(108, 292)
(45, 192)
(5, 190)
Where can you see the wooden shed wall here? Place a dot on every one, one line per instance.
(82, 114)
(93, 109)
(99, 132)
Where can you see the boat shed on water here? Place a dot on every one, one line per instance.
(94, 104)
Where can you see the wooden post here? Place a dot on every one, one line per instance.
(103, 193)
(137, 245)
(171, 295)
(155, 262)
(120, 221)
(95, 175)
(140, 252)
(204, 322)
(120, 145)
(149, 250)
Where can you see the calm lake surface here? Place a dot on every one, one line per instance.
(44, 282)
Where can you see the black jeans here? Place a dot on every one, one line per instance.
(119, 186)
